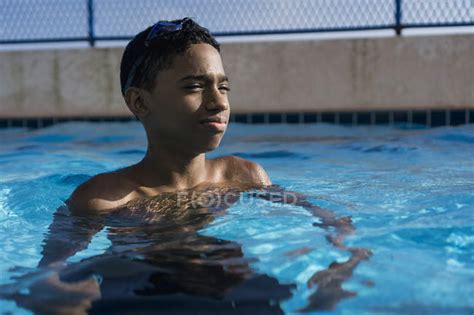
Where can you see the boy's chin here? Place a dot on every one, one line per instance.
(205, 144)
(211, 146)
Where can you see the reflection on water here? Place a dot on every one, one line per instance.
(158, 259)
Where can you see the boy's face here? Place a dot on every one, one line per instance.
(180, 101)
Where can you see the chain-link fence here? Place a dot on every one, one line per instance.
(29, 21)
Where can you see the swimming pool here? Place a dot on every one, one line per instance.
(409, 192)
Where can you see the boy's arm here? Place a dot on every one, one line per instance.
(68, 234)
(74, 224)
(329, 281)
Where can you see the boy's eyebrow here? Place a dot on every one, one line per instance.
(203, 78)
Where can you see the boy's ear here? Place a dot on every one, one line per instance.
(136, 102)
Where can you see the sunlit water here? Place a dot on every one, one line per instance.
(409, 193)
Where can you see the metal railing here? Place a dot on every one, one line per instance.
(47, 21)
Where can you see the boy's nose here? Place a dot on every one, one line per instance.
(217, 101)
(217, 105)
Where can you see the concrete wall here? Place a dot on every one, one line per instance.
(435, 72)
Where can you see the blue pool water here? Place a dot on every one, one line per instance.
(410, 193)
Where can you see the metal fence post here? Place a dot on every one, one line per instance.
(398, 17)
(90, 22)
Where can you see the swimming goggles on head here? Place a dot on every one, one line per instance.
(158, 29)
(163, 27)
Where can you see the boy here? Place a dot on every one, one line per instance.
(173, 80)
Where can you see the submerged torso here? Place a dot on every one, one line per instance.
(162, 233)
(167, 216)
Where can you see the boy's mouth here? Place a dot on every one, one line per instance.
(216, 124)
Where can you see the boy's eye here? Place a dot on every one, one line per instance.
(198, 87)
(193, 86)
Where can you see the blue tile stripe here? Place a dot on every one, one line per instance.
(426, 118)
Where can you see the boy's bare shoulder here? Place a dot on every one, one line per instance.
(102, 192)
(244, 171)
(108, 191)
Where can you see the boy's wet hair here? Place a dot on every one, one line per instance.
(159, 55)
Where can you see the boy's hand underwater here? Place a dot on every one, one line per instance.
(56, 297)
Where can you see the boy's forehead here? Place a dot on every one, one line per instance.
(197, 60)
